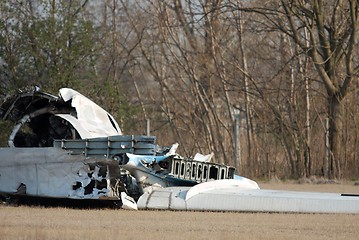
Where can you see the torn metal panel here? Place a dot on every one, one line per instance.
(25, 102)
(52, 172)
(95, 120)
(166, 171)
(69, 147)
(203, 158)
(40, 118)
(128, 202)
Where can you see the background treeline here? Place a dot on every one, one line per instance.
(268, 86)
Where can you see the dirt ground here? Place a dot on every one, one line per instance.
(23, 222)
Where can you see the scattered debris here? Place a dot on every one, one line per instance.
(67, 146)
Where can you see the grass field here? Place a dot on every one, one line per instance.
(24, 222)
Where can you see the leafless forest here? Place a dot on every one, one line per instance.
(270, 86)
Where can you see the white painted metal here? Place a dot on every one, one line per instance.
(47, 172)
(128, 202)
(92, 118)
(164, 198)
(254, 200)
(274, 201)
(242, 183)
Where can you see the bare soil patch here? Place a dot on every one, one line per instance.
(23, 222)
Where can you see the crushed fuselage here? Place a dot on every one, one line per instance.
(67, 146)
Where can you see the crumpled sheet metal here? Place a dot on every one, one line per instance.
(52, 172)
(92, 121)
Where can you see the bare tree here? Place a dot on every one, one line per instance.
(332, 29)
(181, 48)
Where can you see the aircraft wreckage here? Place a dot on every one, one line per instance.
(68, 147)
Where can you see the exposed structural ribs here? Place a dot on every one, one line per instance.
(68, 147)
(200, 171)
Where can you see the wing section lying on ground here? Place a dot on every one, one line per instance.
(221, 195)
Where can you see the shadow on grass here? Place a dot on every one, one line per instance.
(23, 200)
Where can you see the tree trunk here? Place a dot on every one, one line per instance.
(336, 111)
(307, 159)
(247, 101)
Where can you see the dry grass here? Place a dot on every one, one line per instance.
(312, 185)
(63, 223)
